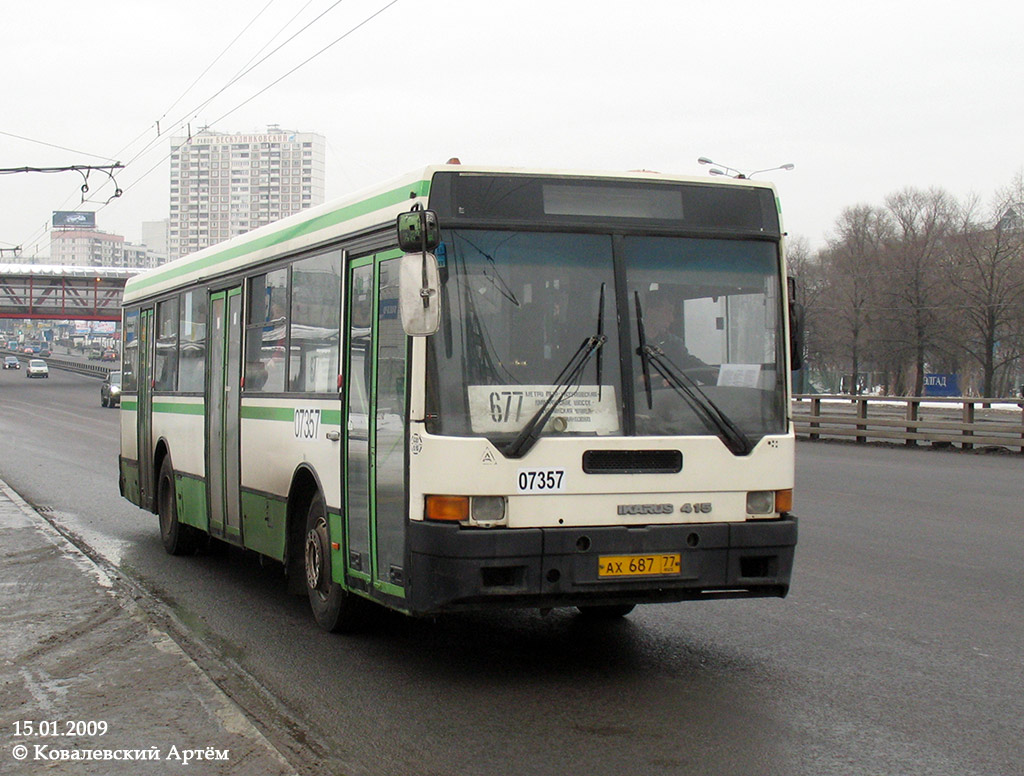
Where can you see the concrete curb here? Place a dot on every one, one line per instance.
(80, 654)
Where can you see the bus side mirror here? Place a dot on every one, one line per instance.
(796, 328)
(796, 336)
(418, 231)
(419, 298)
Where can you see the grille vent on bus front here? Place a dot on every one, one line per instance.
(632, 461)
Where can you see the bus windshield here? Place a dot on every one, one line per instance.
(518, 308)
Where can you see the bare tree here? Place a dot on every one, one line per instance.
(917, 290)
(986, 271)
(923, 282)
(853, 262)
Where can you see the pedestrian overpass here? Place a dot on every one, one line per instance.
(48, 292)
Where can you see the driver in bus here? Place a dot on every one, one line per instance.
(661, 326)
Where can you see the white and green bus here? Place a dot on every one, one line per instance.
(477, 387)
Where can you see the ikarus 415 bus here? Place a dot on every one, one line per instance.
(476, 387)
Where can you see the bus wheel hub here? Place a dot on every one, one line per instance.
(314, 559)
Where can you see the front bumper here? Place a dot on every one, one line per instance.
(453, 568)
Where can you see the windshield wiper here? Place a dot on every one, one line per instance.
(714, 418)
(645, 361)
(600, 333)
(710, 413)
(569, 375)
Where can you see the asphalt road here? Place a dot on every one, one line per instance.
(900, 649)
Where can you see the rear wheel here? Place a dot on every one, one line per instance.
(608, 612)
(336, 610)
(178, 539)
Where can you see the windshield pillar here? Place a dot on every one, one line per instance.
(625, 347)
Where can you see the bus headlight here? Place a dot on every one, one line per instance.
(760, 502)
(487, 511)
(478, 511)
(768, 503)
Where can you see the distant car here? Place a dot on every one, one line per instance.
(28, 349)
(44, 352)
(95, 354)
(109, 355)
(110, 390)
(37, 368)
(11, 362)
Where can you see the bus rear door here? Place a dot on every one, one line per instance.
(222, 404)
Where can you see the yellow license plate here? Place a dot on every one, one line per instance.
(656, 564)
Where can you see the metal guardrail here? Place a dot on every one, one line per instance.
(95, 370)
(962, 421)
(68, 365)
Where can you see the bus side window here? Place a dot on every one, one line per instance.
(192, 342)
(166, 367)
(130, 352)
(315, 316)
(266, 333)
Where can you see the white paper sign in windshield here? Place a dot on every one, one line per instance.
(507, 408)
(739, 375)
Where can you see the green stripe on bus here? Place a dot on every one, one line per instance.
(179, 409)
(287, 414)
(283, 414)
(381, 201)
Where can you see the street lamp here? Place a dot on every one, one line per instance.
(787, 166)
(734, 173)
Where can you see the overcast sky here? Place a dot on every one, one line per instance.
(865, 98)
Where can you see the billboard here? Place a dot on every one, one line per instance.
(79, 219)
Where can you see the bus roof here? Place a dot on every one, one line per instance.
(345, 215)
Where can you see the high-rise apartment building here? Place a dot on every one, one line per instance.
(224, 185)
(93, 248)
(85, 248)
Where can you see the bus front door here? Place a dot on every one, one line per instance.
(373, 468)
(222, 406)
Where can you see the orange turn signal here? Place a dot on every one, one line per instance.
(449, 508)
(784, 500)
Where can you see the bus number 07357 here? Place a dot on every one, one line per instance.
(540, 480)
(307, 423)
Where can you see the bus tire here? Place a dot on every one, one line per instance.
(178, 539)
(336, 610)
(606, 612)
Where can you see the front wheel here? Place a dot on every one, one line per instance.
(336, 610)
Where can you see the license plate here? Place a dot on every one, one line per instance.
(657, 564)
